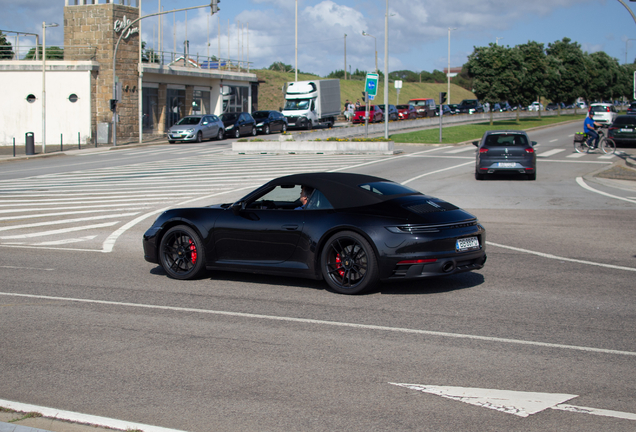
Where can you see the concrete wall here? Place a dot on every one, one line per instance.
(18, 116)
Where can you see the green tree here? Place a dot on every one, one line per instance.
(572, 69)
(148, 55)
(533, 72)
(495, 73)
(603, 74)
(281, 67)
(52, 53)
(6, 49)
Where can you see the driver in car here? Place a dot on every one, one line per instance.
(305, 193)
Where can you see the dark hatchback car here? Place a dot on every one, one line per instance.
(470, 106)
(354, 231)
(623, 130)
(270, 121)
(505, 152)
(632, 108)
(393, 113)
(238, 124)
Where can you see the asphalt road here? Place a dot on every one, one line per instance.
(89, 326)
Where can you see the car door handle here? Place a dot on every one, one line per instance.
(290, 227)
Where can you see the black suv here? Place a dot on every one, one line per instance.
(470, 106)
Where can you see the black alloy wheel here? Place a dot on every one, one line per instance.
(181, 253)
(253, 130)
(199, 136)
(266, 130)
(237, 132)
(219, 136)
(479, 176)
(349, 264)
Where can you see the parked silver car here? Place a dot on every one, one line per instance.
(196, 128)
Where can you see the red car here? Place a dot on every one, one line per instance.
(406, 112)
(375, 114)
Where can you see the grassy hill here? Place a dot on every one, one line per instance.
(271, 96)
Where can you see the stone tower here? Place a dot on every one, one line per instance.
(91, 32)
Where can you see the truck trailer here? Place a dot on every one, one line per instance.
(312, 103)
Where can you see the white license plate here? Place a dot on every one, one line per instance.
(627, 130)
(467, 243)
(506, 164)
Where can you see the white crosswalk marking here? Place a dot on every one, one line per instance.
(575, 155)
(462, 149)
(550, 152)
(49, 211)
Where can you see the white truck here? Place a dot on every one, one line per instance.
(312, 103)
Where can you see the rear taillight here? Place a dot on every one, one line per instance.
(483, 150)
(530, 150)
(419, 261)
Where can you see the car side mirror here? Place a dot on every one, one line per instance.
(238, 207)
(534, 143)
(476, 143)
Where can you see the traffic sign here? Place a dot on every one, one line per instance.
(371, 84)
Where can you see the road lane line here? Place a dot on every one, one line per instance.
(76, 417)
(66, 221)
(550, 256)
(584, 185)
(462, 149)
(329, 323)
(595, 411)
(438, 171)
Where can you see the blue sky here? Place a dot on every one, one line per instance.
(418, 29)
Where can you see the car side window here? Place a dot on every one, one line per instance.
(280, 197)
(318, 202)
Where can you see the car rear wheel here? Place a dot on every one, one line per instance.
(348, 263)
(532, 176)
(479, 176)
(171, 141)
(181, 253)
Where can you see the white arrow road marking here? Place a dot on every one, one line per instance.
(519, 403)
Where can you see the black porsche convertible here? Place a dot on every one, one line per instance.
(351, 230)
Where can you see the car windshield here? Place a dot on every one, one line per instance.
(260, 114)
(387, 188)
(469, 102)
(625, 121)
(402, 107)
(229, 117)
(506, 140)
(297, 104)
(189, 121)
(418, 103)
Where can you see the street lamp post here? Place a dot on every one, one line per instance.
(44, 26)
(448, 70)
(376, 49)
(386, 71)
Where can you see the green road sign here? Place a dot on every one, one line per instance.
(371, 84)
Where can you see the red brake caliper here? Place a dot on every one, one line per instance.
(193, 252)
(340, 270)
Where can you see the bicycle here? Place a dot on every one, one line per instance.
(581, 144)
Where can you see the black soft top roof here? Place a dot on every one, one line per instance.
(341, 189)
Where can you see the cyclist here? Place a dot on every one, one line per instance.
(589, 126)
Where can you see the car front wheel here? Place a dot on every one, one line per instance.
(349, 264)
(181, 253)
(219, 136)
(266, 130)
(237, 133)
(253, 131)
